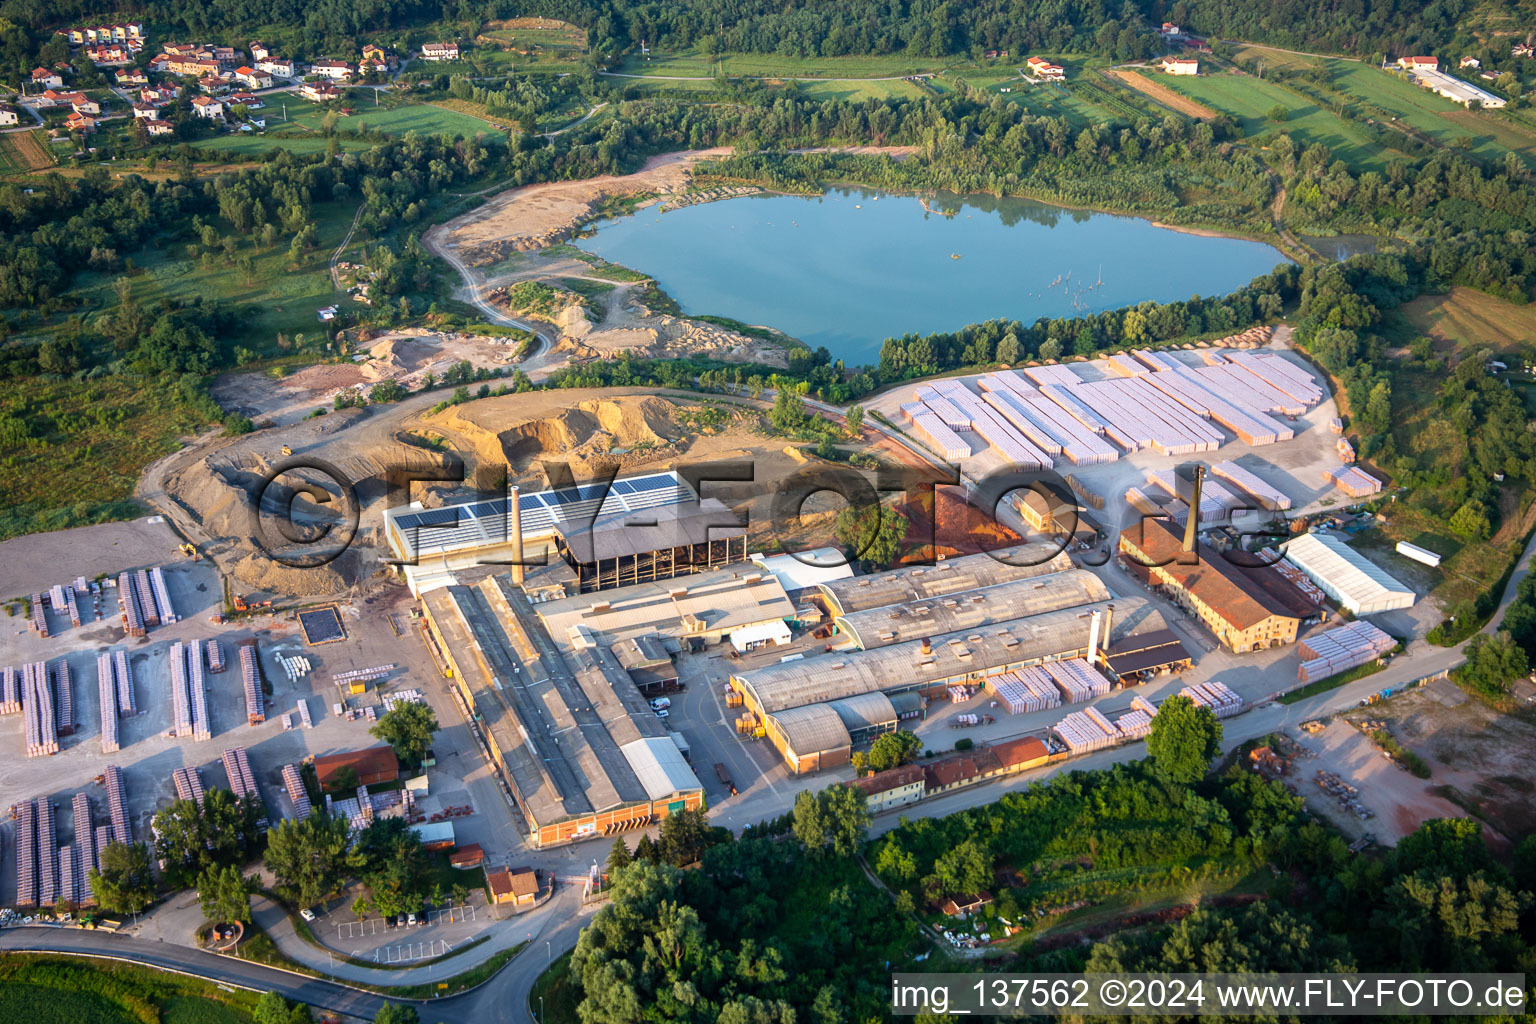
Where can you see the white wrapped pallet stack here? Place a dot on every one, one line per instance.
(197, 693)
(123, 674)
(181, 701)
(106, 690)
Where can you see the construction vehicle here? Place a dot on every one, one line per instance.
(242, 605)
(287, 450)
(724, 776)
(190, 550)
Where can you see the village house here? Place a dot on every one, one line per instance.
(997, 55)
(253, 78)
(518, 886)
(131, 76)
(374, 52)
(319, 92)
(225, 55)
(83, 104)
(277, 67)
(82, 123)
(207, 106)
(1522, 50)
(195, 67)
(259, 51)
(214, 84)
(439, 51)
(1469, 62)
(47, 78)
(336, 70)
(1419, 63)
(156, 126)
(158, 94)
(1042, 68)
(1181, 65)
(1170, 30)
(8, 115)
(145, 110)
(248, 100)
(966, 903)
(107, 56)
(895, 787)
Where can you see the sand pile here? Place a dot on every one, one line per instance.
(512, 428)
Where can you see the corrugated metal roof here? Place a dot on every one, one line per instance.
(1345, 574)
(653, 529)
(967, 572)
(660, 767)
(866, 711)
(972, 609)
(706, 602)
(1039, 638)
(807, 568)
(812, 729)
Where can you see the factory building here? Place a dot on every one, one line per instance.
(431, 544)
(971, 609)
(1249, 609)
(814, 711)
(571, 737)
(643, 546)
(943, 578)
(1359, 585)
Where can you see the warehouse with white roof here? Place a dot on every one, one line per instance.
(1359, 585)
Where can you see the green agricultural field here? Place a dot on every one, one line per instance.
(254, 143)
(856, 91)
(691, 64)
(43, 990)
(1249, 100)
(425, 118)
(1078, 105)
(1421, 110)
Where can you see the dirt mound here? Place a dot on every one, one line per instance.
(954, 527)
(518, 430)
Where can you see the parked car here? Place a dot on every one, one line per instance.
(307, 914)
(411, 919)
(663, 713)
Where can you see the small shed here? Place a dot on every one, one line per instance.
(471, 856)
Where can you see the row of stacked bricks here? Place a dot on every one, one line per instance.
(64, 698)
(25, 814)
(144, 595)
(181, 702)
(202, 729)
(126, 703)
(39, 618)
(250, 679)
(37, 707)
(1076, 680)
(1341, 649)
(64, 600)
(10, 691)
(1086, 730)
(1025, 690)
(106, 690)
(242, 781)
(128, 606)
(1056, 429)
(294, 783)
(162, 595)
(1352, 480)
(85, 849)
(1218, 696)
(47, 854)
(1262, 492)
(117, 805)
(1137, 722)
(189, 785)
(215, 651)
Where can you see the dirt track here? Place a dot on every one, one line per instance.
(1161, 93)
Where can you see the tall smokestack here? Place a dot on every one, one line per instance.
(515, 527)
(1093, 636)
(1191, 528)
(1109, 620)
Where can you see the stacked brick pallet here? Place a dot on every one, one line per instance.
(117, 805)
(64, 699)
(1026, 690)
(197, 693)
(47, 854)
(1140, 416)
(85, 849)
(215, 651)
(363, 675)
(1261, 492)
(294, 783)
(1217, 696)
(162, 595)
(1216, 502)
(68, 891)
(123, 673)
(146, 598)
(999, 434)
(37, 707)
(71, 605)
(128, 606)
(303, 710)
(39, 620)
(1137, 722)
(932, 431)
(250, 678)
(1047, 423)
(10, 691)
(181, 701)
(1076, 680)
(189, 785)
(237, 765)
(1341, 649)
(26, 854)
(1084, 731)
(106, 690)
(1352, 480)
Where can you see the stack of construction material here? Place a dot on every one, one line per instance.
(303, 709)
(1082, 732)
(1262, 492)
(68, 877)
(126, 703)
(1125, 366)
(1216, 502)
(294, 783)
(39, 617)
(1352, 480)
(103, 838)
(117, 805)
(237, 765)
(1137, 499)
(133, 618)
(250, 677)
(1076, 680)
(994, 429)
(412, 696)
(1340, 649)
(1045, 423)
(1134, 724)
(64, 699)
(1156, 360)
(189, 785)
(85, 848)
(1217, 696)
(295, 668)
(71, 606)
(107, 693)
(37, 708)
(1282, 375)
(197, 693)
(1052, 373)
(1346, 451)
(181, 700)
(932, 431)
(10, 691)
(47, 854)
(25, 814)
(162, 595)
(1026, 690)
(947, 412)
(363, 675)
(144, 594)
(215, 652)
(1336, 426)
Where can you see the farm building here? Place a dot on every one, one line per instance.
(1454, 89)
(568, 732)
(1181, 65)
(1248, 608)
(371, 767)
(1359, 585)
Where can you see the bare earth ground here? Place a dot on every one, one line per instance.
(1161, 93)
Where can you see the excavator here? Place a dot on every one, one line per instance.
(190, 550)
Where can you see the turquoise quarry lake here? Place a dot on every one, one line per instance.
(850, 268)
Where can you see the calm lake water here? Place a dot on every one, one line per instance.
(850, 268)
